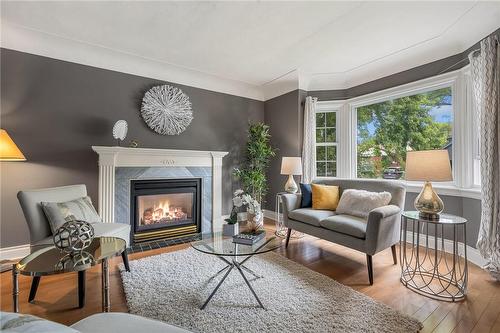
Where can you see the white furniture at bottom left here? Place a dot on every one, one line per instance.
(97, 323)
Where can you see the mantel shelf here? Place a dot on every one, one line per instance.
(157, 151)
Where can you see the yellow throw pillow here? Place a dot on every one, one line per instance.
(325, 196)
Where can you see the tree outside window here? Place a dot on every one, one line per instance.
(387, 130)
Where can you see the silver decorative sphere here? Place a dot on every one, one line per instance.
(74, 236)
(73, 260)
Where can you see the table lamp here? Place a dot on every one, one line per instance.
(427, 166)
(291, 166)
(8, 149)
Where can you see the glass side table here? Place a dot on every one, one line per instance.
(51, 260)
(281, 229)
(433, 255)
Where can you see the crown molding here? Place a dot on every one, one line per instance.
(281, 85)
(26, 40)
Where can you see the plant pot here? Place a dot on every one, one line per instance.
(230, 229)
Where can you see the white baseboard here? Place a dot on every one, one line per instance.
(270, 214)
(14, 252)
(473, 254)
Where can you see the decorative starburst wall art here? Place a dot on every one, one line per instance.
(166, 110)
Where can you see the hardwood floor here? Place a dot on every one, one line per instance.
(57, 295)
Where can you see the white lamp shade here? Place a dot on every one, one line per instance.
(291, 166)
(428, 165)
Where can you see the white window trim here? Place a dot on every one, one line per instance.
(463, 171)
(325, 107)
(337, 107)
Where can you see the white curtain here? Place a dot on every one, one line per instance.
(308, 145)
(485, 66)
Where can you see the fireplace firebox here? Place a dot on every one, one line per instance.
(164, 208)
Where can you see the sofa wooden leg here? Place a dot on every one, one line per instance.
(125, 260)
(394, 255)
(369, 263)
(288, 236)
(34, 287)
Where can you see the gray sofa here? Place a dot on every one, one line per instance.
(378, 232)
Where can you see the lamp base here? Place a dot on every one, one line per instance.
(291, 185)
(428, 203)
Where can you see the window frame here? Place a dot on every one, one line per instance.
(396, 95)
(329, 107)
(462, 131)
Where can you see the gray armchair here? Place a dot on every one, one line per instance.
(378, 232)
(41, 235)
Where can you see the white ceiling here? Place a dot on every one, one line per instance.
(332, 45)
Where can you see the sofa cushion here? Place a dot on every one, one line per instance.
(119, 230)
(325, 196)
(360, 202)
(346, 224)
(306, 198)
(310, 216)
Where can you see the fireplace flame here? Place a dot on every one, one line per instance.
(163, 212)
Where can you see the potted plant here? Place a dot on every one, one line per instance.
(243, 200)
(253, 173)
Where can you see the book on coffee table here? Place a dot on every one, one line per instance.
(249, 238)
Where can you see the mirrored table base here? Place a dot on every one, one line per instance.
(106, 305)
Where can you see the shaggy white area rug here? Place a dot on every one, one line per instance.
(171, 287)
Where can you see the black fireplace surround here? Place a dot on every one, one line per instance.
(152, 219)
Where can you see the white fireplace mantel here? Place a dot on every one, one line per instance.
(112, 157)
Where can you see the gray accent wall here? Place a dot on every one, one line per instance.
(284, 116)
(56, 110)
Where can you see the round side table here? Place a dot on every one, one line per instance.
(281, 229)
(433, 255)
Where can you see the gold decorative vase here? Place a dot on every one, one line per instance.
(428, 203)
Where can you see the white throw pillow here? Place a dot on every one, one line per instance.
(360, 202)
(59, 213)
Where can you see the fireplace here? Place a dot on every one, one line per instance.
(164, 208)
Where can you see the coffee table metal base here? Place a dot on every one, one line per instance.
(229, 267)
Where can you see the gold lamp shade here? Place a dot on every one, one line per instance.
(427, 166)
(8, 149)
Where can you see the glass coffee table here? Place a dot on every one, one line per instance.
(234, 256)
(51, 260)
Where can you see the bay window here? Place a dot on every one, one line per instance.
(369, 136)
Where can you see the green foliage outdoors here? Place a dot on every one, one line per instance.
(400, 125)
(258, 155)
